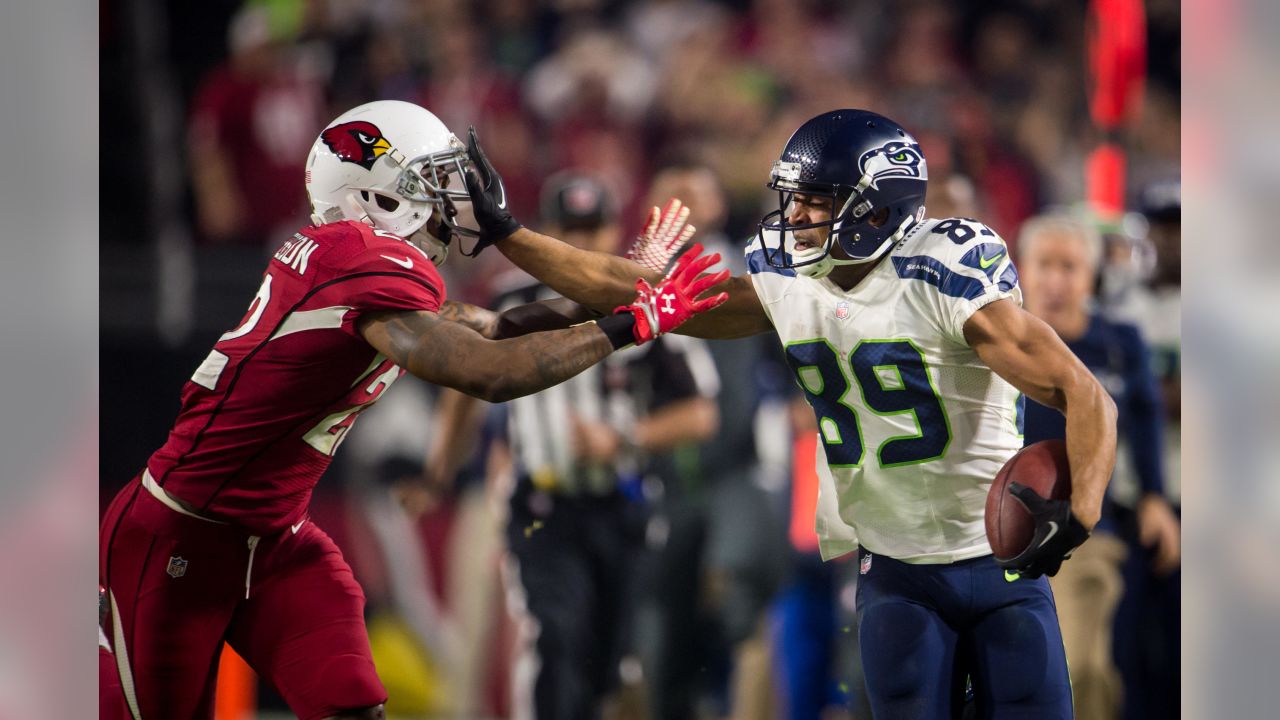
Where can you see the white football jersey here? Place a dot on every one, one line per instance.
(914, 427)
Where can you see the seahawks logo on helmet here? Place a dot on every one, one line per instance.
(894, 159)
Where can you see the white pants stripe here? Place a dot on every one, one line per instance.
(122, 660)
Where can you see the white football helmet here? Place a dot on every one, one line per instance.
(388, 164)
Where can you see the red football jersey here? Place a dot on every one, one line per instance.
(263, 414)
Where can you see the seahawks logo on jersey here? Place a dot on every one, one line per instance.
(894, 159)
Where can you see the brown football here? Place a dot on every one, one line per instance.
(1042, 467)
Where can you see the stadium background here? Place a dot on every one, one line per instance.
(995, 91)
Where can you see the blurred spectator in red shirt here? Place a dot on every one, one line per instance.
(1006, 183)
(465, 88)
(252, 123)
(593, 96)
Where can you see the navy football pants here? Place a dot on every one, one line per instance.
(925, 629)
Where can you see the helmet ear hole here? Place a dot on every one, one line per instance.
(386, 202)
(364, 195)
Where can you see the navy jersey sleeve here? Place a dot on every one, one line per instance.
(1142, 413)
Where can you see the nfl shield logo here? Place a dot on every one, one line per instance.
(842, 310)
(865, 565)
(177, 567)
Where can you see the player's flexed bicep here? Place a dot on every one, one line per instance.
(975, 300)
(1025, 351)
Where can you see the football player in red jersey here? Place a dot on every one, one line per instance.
(211, 542)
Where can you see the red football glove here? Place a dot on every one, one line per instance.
(659, 310)
(662, 237)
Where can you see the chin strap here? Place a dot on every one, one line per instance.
(437, 250)
(823, 267)
(817, 270)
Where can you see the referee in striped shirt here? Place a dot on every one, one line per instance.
(583, 452)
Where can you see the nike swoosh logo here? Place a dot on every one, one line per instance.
(502, 204)
(406, 263)
(1011, 575)
(294, 528)
(1053, 530)
(988, 262)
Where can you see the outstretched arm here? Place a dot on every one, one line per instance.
(451, 353)
(553, 314)
(454, 355)
(1022, 349)
(599, 281)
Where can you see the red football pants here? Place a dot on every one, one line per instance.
(179, 586)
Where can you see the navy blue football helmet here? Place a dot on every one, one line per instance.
(867, 164)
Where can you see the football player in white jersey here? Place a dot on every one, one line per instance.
(908, 338)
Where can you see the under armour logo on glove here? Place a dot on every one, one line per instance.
(679, 292)
(662, 237)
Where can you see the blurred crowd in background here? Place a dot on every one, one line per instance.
(214, 105)
(209, 110)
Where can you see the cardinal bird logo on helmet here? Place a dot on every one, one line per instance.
(356, 142)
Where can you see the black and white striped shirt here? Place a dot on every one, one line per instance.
(625, 387)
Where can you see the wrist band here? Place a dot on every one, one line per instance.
(619, 328)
